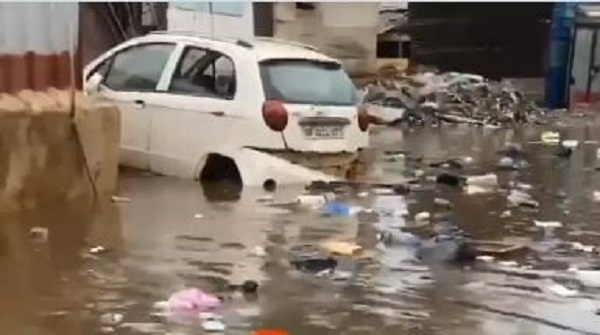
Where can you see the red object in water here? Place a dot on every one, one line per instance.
(364, 119)
(275, 115)
(270, 332)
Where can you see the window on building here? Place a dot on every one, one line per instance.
(229, 8)
(204, 73)
(393, 49)
(138, 68)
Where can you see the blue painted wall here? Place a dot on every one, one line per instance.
(557, 77)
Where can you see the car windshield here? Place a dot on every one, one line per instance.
(307, 82)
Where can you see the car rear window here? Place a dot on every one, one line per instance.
(307, 82)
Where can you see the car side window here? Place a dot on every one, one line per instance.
(138, 68)
(204, 73)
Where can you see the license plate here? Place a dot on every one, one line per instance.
(324, 132)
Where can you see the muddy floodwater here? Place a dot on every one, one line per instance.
(175, 234)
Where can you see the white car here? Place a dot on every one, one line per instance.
(201, 107)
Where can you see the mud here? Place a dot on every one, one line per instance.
(158, 243)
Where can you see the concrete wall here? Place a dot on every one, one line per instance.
(347, 31)
(42, 164)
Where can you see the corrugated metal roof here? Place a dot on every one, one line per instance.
(36, 40)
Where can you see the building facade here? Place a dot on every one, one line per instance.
(346, 31)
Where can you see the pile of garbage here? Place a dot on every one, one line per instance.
(450, 97)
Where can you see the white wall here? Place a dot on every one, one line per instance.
(183, 16)
(347, 31)
(45, 28)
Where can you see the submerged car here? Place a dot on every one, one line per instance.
(196, 106)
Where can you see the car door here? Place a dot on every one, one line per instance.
(130, 79)
(197, 117)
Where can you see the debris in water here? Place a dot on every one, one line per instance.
(315, 265)
(120, 200)
(442, 203)
(341, 275)
(506, 163)
(249, 287)
(509, 263)
(161, 305)
(449, 179)
(487, 180)
(520, 198)
(506, 214)
(563, 152)
(589, 278)
(213, 326)
(401, 189)
(474, 189)
(39, 233)
(193, 299)
(548, 224)
(571, 144)
(562, 291)
(550, 137)
(270, 332)
(338, 208)
(258, 251)
(315, 201)
(111, 318)
(422, 218)
(270, 185)
(524, 187)
(581, 247)
(341, 248)
(383, 191)
(97, 250)
(198, 216)
(597, 196)
(485, 258)
(498, 248)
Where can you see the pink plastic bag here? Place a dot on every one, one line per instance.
(193, 299)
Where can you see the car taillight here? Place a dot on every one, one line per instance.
(275, 115)
(364, 119)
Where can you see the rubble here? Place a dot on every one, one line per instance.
(448, 97)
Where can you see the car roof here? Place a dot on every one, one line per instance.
(264, 48)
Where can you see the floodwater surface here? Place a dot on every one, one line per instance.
(175, 234)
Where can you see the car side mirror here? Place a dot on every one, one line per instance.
(92, 85)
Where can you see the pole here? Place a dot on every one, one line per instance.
(212, 19)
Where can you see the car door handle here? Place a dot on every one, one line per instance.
(139, 103)
(218, 113)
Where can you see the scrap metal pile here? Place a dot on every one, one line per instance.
(448, 97)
